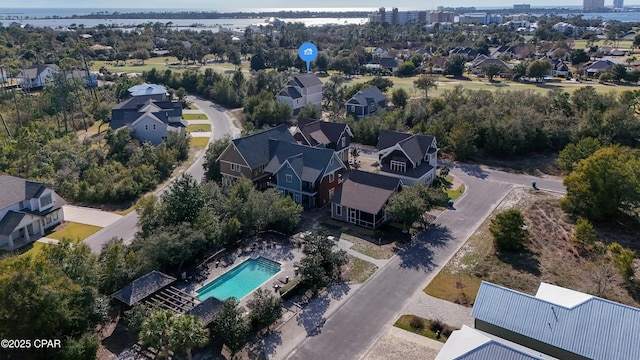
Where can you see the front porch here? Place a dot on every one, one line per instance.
(25, 230)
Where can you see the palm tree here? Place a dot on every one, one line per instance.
(156, 331)
(187, 332)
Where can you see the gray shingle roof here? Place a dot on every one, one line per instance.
(387, 62)
(388, 138)
(255, 148)
(366, 191)
(34, 71)
(9, 222)
(143, 287)
(291, 92)
(206, 310)
(367, 96)
(595, 328)
(308, 162)
(306, 80)
(14, 189)
(318, 131)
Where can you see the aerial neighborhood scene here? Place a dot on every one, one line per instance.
(410, 180)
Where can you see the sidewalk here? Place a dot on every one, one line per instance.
(428, 307)
(346, 246)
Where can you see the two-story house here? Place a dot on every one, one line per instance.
(366, 102)
(310, 175)
(150, 91)
(149, 120)
(408, 157)
(246, 157)
(318, 133)
(27, 209)
(303, 89)
(36, 76)
(363, 197)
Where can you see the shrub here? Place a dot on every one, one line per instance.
(584, 235)
(416, 324)
(508, 230)
(436, 325)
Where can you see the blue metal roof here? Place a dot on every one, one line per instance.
(595, 328)
(494, 350)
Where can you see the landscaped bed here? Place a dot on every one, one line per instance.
(198, 127)
(364, 239)
(358, 270)
(199, 142)
(425, 327)
(194, 117)
(549, 256)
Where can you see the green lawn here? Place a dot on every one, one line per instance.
(422, 326)
(74, 231)
(198, 127)
(162, 63)
(622, 44)
(194, 116)
(35, 250)
(455, 193)
(359, 270)
(125, 211)
(199, 142)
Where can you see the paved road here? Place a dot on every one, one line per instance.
(353, 328)
(126, 227)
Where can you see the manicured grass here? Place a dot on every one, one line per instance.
(193, 106)
(422, 326)
(194, 116)
(622, 44)
(94, 127)
(359, 270)
(199, 142)
(366, 247)
(455, 193)
(76, 232)
(198, 127)
(459, 288)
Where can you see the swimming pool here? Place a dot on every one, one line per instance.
(240, 280)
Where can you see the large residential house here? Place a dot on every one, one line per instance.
(411, 158)
(556, 323)
(150, 91)
(362, 198)
(149, 120)
(303, 89)
(366, 102)
(246, 157)
(318, 133)
(27, 210)
(36, 76)
(593, 69)
(309, 175)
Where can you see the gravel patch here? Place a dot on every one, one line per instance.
(395, 345)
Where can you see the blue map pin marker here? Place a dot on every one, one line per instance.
(308, 52)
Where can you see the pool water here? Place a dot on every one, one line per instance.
(240, 280)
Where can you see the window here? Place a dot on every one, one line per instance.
(154, 126)
(338, 210)
(235, 167)
(332, 177)
(54, 216)
(331, 192)
(45, 200)
(343, 141)
(146, 127)
(396, 165)
(289, 178)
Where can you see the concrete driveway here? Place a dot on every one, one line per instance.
(89, 216)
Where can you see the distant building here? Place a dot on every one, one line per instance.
(36, 76)
(440, 17)
(395, 17)
(618, 4)
(592, 4)
(522, 7)
(480, 18)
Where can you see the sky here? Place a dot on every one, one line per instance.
(238, 5)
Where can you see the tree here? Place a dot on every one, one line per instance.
(310, 111)
(605, 185)
(425, 83)
(265, 309)
(508, 230)
(381, 83)
(183, 201)
(461, 140)
(187, 332)
(407, 206)
(406, 69)
(623, 259)
(117, 266)
(618, 72)
(211, 165)
(156, 331)
(455, 65)
(584, 235)
(569, 157)
(491, 70)
(539, 69)
(399, 97)
(230, 326)
(321, 264)
(579, 56)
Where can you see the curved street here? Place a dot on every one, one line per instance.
(126, 227)
(353, 328)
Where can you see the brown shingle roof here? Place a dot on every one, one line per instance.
(366, 191)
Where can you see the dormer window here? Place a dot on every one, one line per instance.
(45, 200)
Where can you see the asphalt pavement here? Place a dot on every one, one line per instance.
(126, 227)
(351, 330)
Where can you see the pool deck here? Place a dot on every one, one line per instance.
(281, 251)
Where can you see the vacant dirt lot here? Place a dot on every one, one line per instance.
(550, 256)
